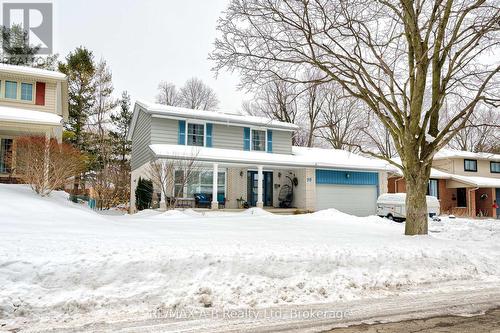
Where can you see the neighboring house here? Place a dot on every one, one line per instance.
(32, 102)
(251, 158)
(465, 183)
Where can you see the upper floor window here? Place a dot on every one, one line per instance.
(11, 89)
(196, 135)
(495, 167)
(26, 92)
(470, 165)
(22, 91)
(258, 140)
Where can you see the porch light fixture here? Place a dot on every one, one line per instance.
(347, 175)
(279, 174)
(241, 173)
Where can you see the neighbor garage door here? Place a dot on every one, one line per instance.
(351, 192)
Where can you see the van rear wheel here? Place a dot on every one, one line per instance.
(390, 217)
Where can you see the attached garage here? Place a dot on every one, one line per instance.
(351, 192)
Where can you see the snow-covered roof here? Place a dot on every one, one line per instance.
(18, 115)
(13, 69)
(478, 181)
(435, 173)
(300, 157)
(160, 110)
(453, 153)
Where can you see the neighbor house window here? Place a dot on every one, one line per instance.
(432, 189)
(470, 165)
(258, 140)
(5, 153)
(11, 89)
(26, 92)
(196, 135)
(495, 167)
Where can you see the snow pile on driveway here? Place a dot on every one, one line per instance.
(59, 260)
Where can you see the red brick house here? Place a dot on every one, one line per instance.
(465, 183)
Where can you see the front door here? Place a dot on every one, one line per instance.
(267, 188)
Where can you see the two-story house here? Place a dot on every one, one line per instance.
(250, 158)
(33, 102)
(465, 183)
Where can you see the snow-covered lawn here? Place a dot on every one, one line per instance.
(59, 260)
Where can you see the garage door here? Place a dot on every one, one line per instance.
(357, 200)
(351, 192)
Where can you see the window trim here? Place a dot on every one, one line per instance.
(265, 139)
(465, 163)
(186, 130)
(185, 189)
(491, 166)
(18, 90)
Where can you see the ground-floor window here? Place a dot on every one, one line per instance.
(199, 182)
(432, 189)
(5, 154)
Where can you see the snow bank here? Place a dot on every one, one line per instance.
(60, 261)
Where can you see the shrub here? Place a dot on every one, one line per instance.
(45, 164)
(143, 194)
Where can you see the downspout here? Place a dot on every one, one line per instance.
(470, 204)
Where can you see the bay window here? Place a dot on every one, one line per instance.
(199, 182)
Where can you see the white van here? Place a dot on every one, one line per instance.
(393, 206)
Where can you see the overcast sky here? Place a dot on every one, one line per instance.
(147, 41)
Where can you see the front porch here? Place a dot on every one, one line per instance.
(236, 187)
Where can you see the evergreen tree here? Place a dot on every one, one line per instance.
(143, 194)
(16, 47)
(121, 122)
(80, 70)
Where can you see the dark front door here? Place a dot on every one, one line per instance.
(267, 188)
(461, 197)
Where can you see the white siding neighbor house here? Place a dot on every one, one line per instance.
(251, 159)
(33, 102)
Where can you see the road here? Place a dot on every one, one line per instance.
(486, 323)
(404, 309)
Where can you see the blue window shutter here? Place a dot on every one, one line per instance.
(246, 138)
(269, 141)
(209, 135)
(182, 132)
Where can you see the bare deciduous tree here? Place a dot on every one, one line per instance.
(342, 119)
(402, 58)
(46, 165)
(167, 94)
(195, 94)
(162, 173)
(481, 133)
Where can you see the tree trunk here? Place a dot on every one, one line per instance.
(417, 179)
